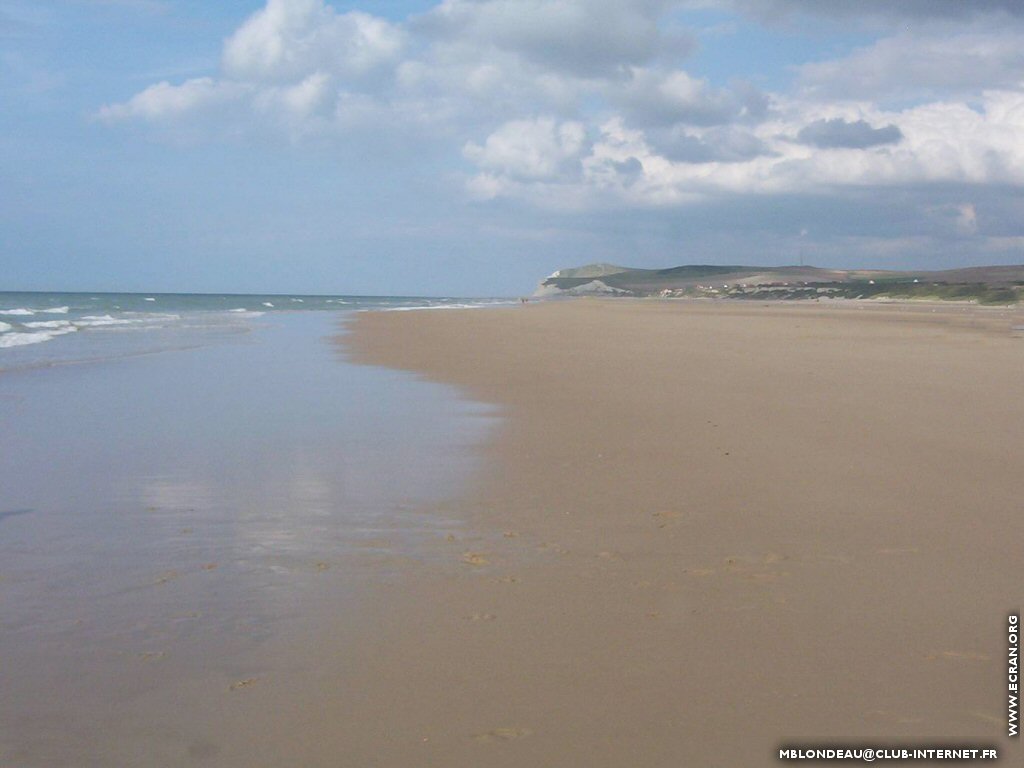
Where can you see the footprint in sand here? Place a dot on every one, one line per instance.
(666, 516)
(163, 578)
(321, 567)
(510, 534)
(958, 656)
(474, 558)
(480, 617)
(760, 577)
(894, 717)
(988, 718)
(239, 684)
(699, 571)
(898, 551)
(502, 734)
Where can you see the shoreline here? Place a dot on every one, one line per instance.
(697, 536)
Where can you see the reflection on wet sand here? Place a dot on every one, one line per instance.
(172, 523)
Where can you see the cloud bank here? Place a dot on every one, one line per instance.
(577, 105)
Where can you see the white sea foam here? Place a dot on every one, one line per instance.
(17, 311)
(36, 337)
(267, 304)
(95, 321)
(131, 318)
(149, 298)
(49, 324)
(151, 317)
(55, 310)
(244, 313)
(5, 327)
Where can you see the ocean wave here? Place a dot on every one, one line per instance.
(244, 313)
(94, 321)
(5, 327)
(26, 312)
(267, 304)
(36, 337)
(151, 317)
(49, 324)
(130, 318)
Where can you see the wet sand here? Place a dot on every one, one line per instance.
(181, 532)
(704, 530)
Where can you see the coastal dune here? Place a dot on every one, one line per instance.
(704, 530)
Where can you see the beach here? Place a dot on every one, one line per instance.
(578, 533)
(706, 530)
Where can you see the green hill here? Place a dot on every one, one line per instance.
(987, 285)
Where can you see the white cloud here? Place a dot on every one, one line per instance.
(533, 150)
(916, 65)
(887, 9)
(164, 101)
(580, 36)
(569, 103)
(291, 39)
(967, 219)
(942, 143)
(652, 97)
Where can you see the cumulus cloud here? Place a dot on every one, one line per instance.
(290, 39)
(917, 66)
(967, 219)
(838, 133)
(536, 150)
(724, 144)
(581, 36)
(296, 67)
(572, 103)
(948, 143)
(652, 97)
(461, 63)
(904, 9)
(164, 101)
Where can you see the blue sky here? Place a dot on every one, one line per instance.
(469, 147)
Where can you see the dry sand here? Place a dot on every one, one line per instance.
(704, 530)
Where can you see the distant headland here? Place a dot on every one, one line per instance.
(984, 285)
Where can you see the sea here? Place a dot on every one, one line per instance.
(190, 486)
(39, 329)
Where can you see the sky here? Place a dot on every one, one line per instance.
(471, 147)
